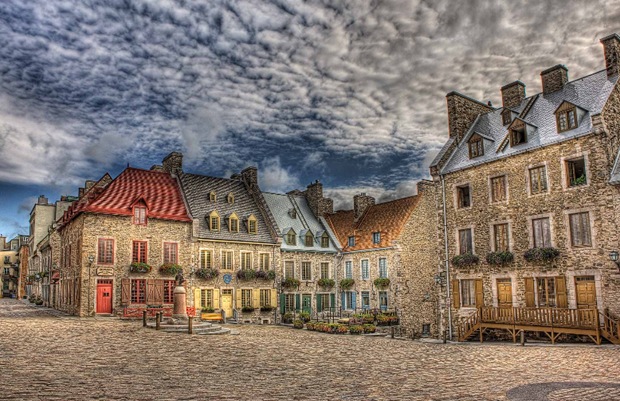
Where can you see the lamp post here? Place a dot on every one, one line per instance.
(613, 256)
(91, 259)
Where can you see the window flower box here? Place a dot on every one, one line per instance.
(541, 254)
(246, 274)
(500, 258)
(207, 273)
(326, 282)
(247, 309)
(382, 282)
(291, 283)
(465, 260)
(170, 269)
(347, 283)
(140, 267)
(266, 275)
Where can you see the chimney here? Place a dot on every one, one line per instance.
(80, 192)
(361, 202)
(513, 94)
(42, 200)
(462, 112)
(2, 242)
(554, 78)
(89, 184)
(611, 45)
(173, 163)
(319, 205)
(249, 175)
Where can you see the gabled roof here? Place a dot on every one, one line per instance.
(197, 188)
(589, 93)
(388, 218)
(158, 189)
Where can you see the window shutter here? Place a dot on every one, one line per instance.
(282, 304)
(479, 293)
(529, 292)
(560, 288)
(297, 302)
(332, 300)
(197, 303)
(319, 303)
(216, 298)
(256, 298)
(343, 299)
(273, 298)
(158, 292)
(125, 291)
(353, 303)
(456, 300)
(238, 298)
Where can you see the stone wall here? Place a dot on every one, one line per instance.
(554, 78)
(462, 112)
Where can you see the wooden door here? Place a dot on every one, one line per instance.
(586, 292)
(307, 303)
(227, 303)
(104, 296)
(504, 292)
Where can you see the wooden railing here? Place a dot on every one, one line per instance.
(468, 326)
(574, 318)
(610, 328)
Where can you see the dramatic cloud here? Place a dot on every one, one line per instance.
(349, 91)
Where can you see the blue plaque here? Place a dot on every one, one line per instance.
(227, 278)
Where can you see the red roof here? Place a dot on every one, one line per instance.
(158, 190)
(387, 218)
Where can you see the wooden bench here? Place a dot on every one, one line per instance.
(212, 317)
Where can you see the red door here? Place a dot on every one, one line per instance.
(104, 296)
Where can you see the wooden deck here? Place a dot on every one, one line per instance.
(551, 321)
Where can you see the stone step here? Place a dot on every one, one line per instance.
(218, 332)
(184, 329)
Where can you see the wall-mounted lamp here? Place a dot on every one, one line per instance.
(613, 256)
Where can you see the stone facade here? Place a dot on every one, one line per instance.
(513, 94)
(462, 111)
(554, 79)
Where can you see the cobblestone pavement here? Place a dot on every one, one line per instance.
(45, 356)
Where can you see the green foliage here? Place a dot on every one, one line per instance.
(298, 324)
(541, 254)
(246, 274)
(369, 328)
(207, 310)
(356, 329)
(310, 326)
(287, 317)
(139, 267)
(170, 269)
(266, 308)
(382, 282)
(207, 273)
(579, 181)
(266, 275)
(499, 258)
(346, 283)
(464, 260)
(291, 283)
(326, 282)
(304, 316)
(247, 309)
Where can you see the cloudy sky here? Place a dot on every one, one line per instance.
(351, 92)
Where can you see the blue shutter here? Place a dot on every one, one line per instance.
(297, 302)
(353, 305)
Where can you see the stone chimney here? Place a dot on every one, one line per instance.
(462, 112)
(611, 45)
(42, 200)
(2, 242)
(250, 176)
(361, 202)
(173, 163)
(513, 94)
(319, 205)
(554, 78)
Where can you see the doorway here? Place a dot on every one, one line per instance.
(227, 300)
(585, 289)
(306, 303)
(104, 296)
(504, 292)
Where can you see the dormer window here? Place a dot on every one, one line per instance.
(352, 241)
(139, 214)
(252, 225)
(212, 196)
(518, 135)
(292, 213)
(476, 146)
(231, 198)
(376, 237)
(214, 221)
(324, 240)
(506, 117)
(233, 223)
(309, 239)
(291, 237)
(566, 117)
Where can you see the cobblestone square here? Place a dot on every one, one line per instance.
(48, 356)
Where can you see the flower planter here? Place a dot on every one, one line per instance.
(170, 269)
(139, 267)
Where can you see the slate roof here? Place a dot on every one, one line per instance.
(281, 205)
(589, 93)
(159, 190)
(388, 218)
(197, 188)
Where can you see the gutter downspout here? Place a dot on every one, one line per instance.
(445, 242)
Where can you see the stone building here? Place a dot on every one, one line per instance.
(235, 247)
(528, 196)
(9, 264)
(121, 244)
(309, 250)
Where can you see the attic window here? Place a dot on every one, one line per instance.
(351, 241)
(324, 241)
(566, 118)
(139, 214)
(212, 196)
(292, 213)
(518, 135)
(506, 117)
(214, 221)
(231, 198)
(476, 147)
(309, 240)
(291, 238)
(252, 225)
(233, 223)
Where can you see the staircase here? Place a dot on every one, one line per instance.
(610, 327)
(199, 328)
(469, 326)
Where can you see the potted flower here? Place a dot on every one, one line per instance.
(541, 254)
(310, 326)
(287, 317)
(290, 282)
(304, 316)
(246, 274)
(382, 282)
(170, 269)
(499, 258)
(356, 329)
(266, 308)
(139, 267)
(346, 284)
(326, 282)
(207, 273)
(298, 324)
(467, 259)
(369, 328)
(247, 309)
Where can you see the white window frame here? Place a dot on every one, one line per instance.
(362, 269)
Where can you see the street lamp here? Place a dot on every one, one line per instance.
(91, 259)
(613, 256)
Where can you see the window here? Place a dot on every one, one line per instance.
(365, 300)
(580, 235)
(465, 241)
(233, 223)
(566, 118)
(6, 269)
(309, 240)
(349, 300)
(252, 225)
(139, 215)
(324, 240)
(324, 269)
(169, 291)
(348, 269)
(376, 238)
(498, 189)
(289, 269)
(289, 302)
(246, 298)
(138, 291)
(468, 293)
(171, 252)
(365, 271)
(463, 196)
(291, 238)
(263, 260)
(7, 260)
(206, 298)
(476, 147)
(545, 289)
(323, 302)
(212, 196)
(231, 198)
(246, 260)
(500, 237)
(383, 300)
(227, 260)
(139, 251)
(538, 180)
(541, 233)
(105, 254)
(265, 298)
(382, 267)
(306, 271)
(351, 241)
(206, 259)
(518, 135)
(214, 221)
(576, 172)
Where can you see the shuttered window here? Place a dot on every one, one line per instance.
(139, 251)
(206, 259)
(171, 252)
(206, 298)
(289, 269)
(246, 298)
(545, 288)
(580, 229)
(323, 302)
(500, 235)
(468, 293)
(289, 302)
(541, 233)
(105, 254)
(306, 271)
(265, 297)
(538, 180)
(498, 189)
(465, 241)
(138, 291)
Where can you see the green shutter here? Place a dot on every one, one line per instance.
(332, 298)
(319, 303)
(297, 302)
(282, 304)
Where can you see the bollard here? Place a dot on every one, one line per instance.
(445, 336)
(522, 338)
(157, 321)
(190, 325)
(143, 318)
(392, 329)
